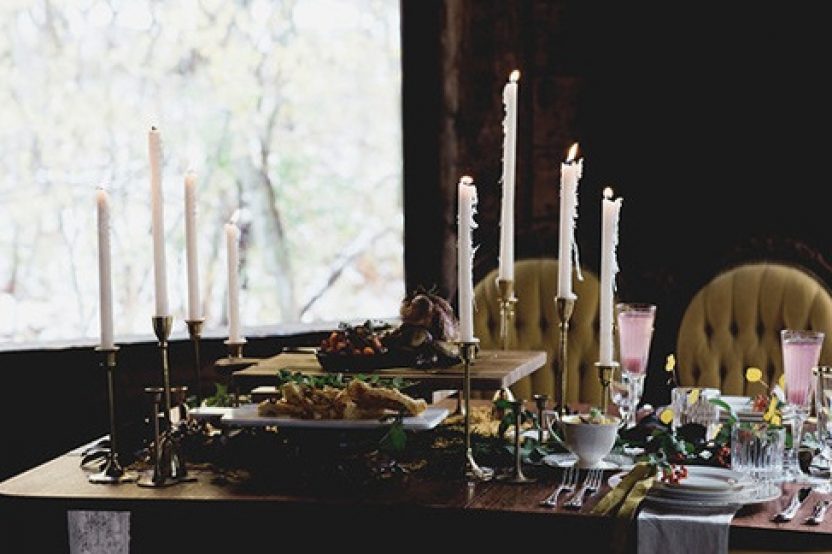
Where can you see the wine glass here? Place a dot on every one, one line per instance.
(801, 352)
(823, 408)
(635, 332)
(622, 394)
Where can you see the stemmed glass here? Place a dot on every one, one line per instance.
(801, 352)
(635, 332)
(823, 408)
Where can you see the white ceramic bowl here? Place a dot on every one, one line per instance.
(590, 442)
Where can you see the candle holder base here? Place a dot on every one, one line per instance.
(112, 473)
(564, 308)
(505, 288)
(605, 373)
(517, 477)
(472, 470)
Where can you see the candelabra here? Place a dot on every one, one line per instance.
(505, 287)
(468, 352)
(605, 372)
(565, 307)
(169, 465)
(112, 472)
(195, 333)
(516, 476)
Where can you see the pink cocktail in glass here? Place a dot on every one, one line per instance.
(801, 353)
(635, 332)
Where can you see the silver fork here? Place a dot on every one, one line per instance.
(568, 483)
(592, 482)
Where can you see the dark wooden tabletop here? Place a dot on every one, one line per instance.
(61, 484)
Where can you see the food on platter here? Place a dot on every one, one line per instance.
(339, 399)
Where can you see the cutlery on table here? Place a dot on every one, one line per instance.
(568, 482)
(591, 483)
(794, 505)
(818, 512)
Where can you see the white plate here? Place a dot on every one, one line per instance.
(764, 492)
(246, 416)
(208, 412)
(567, 459)
(707, 479)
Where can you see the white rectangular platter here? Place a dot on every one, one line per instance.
(246, 416)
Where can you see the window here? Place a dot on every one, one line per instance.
(287, 109)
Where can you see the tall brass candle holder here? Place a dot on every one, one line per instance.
(516, 476)
(235, 350)
(473, 471)
(169, 467)
(564, 307)
(540, 402)
(605, 373)
(505, 288)
(112, 472)
(195, 334)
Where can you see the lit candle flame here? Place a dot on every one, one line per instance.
(515, 76)
(234, 217)
(572, 153)
(466, 180)
(608, 193)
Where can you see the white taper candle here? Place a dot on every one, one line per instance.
(570, 172)
(105, 283)
(158, 221)
(191, 249)
(465, 222)
(506, 267)
(610, 213)
(232, 242)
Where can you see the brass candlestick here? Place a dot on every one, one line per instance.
(112, 472)
(507, 302)
(605, 372)
(235, 350)
(195, 333)
(540, 402)
(473, 471)
(169, 467)
(565, 307)
(517, 477)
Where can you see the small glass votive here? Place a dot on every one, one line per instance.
(757, 450)
(701, 410)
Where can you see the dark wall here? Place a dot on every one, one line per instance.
(711, 121)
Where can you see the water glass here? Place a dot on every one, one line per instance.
(757, 450)
(702, 411)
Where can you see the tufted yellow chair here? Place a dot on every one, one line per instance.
(535, 284)
(734, 322)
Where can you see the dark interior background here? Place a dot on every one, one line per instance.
(710, 119)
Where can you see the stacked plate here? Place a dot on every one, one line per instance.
(712, 487)
(709, 488)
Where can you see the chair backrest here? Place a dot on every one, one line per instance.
(536, 327)
(734, 322)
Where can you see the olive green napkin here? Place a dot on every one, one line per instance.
(623, 499)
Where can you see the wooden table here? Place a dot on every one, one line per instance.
(205, 516)
(492, 370)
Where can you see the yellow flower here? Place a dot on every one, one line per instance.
(670, 364)
(667, 416)
(771, 411)
(753, 374)
(782, 381)
(693, 396)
